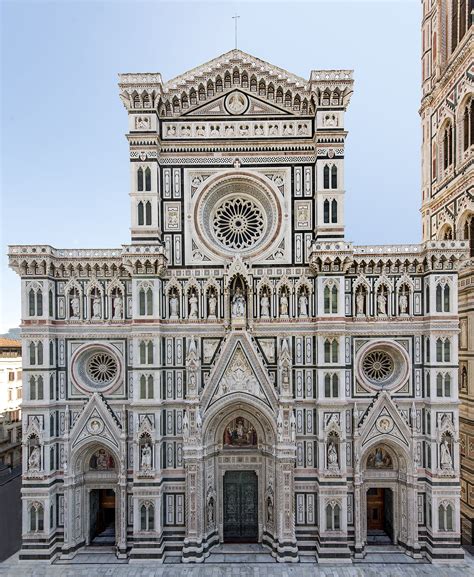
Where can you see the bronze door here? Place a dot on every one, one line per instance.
(375, 509)
(240, 507)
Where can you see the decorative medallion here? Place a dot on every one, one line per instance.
(95, 426)
(236, 103)
(384, 424)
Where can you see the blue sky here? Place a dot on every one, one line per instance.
(64, 158)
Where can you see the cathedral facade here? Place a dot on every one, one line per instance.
(239, 372)
(447, 114)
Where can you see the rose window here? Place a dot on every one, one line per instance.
(377, 366)
(383, 364)
(101, 368)
(96, 367)
(238, 223)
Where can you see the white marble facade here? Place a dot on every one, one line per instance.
(240, 332)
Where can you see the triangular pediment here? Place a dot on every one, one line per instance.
(97, 422)
(237, 103)
(382, 420)
(228, 62)
(239, 371)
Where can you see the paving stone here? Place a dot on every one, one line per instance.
(396, 568)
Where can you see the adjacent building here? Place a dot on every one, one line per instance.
(240, 371)
(447, 114)
(10, 402)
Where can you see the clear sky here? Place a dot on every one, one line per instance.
(64, 157)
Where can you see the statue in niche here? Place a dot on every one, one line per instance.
(75, 307)
(173, 306)
(264, 306)
(382, 304)
(34, 460)
(101, 460)
(360, 303)
(240, 433)
(96, 308)
(269, 510)
(146, 457)
(283, 305)
(185, 424)
(292, 427)
(403, 303)
(193, 306)
(446, 459)
(280, 424)
(285, 378)
(212, 306)
(198, 420)
(303, 303)
(379, 459)
(332, 456)
(238, 304)
(210, 512)
(118, 307)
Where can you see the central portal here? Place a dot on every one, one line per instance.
(240, 507)
(102, 517)
(379, 516)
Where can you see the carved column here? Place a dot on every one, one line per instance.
(193, 549)
(68, 518)
(286, 547)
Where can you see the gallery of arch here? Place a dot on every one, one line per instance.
(240, 372)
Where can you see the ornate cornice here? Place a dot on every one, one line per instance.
(44, 260)
(339, 257)
(172, 98)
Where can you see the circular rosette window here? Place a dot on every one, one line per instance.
(238, 213)
(382, 365)
(96, 367)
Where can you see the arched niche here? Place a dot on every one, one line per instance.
(257, 416)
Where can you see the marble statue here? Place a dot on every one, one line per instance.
(360, 302)
(403, 304)
(75, 307)
(34, 459)
(96, 308)
(212, 306)
(382, 304)
(238, 304)
(118, 307)
(264, 306)
(146, 457)
(173, 306)
(303, 302)
(283, 305)
(185, 424)
(193, 306)
(332, 456)
(446, 459)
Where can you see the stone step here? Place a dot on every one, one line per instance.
(240, 558)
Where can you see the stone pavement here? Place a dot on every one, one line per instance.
(12, 568)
